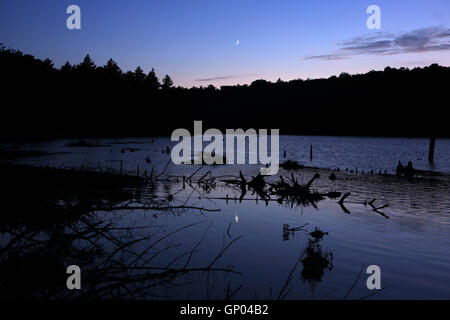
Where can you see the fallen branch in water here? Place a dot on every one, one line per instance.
(341, 202)
(154, 208)
(354, 283)
(377, 209)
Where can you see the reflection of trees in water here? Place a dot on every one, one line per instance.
(79, 217)
(55, 218)
(115, 261)
(315, 263)
(314, 259)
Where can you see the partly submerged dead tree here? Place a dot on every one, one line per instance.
(294, 192)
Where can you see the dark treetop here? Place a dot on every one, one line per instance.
(41, 101)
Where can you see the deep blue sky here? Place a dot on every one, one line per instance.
(195, 41)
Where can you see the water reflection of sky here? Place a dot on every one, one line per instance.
(366, 153)
(411, 247)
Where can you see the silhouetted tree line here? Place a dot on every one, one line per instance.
(85, 100)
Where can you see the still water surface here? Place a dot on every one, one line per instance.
(410, 242)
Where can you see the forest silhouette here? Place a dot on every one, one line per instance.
(40, 101)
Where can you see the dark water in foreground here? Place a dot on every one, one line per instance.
(409, 239)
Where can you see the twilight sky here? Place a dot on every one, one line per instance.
(195, 42)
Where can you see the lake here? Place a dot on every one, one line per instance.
(269, 245)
